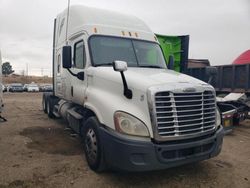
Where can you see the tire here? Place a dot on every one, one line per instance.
(50, 107)
(92, 145)
(44, 104)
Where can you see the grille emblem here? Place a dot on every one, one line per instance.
(190, 89)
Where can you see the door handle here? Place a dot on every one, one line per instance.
(72, 91)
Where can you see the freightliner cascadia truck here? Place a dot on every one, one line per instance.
(112, 86)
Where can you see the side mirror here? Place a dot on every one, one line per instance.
(80, 75)
(66, 57)
(120, 66)
(171, 62)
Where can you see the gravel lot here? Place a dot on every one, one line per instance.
(36, 151)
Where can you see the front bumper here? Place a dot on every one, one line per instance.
(130, 155)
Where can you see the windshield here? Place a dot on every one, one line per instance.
(106, 50)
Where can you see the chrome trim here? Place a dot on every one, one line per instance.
(173, 125)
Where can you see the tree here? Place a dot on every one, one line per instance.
(7, 69)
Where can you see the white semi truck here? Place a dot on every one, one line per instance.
(112, 86)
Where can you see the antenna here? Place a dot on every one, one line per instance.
(67, 23)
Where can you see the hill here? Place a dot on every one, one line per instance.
(26, 79)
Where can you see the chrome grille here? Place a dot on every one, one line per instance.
(180, 114)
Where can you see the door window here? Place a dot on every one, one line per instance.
(79, 55)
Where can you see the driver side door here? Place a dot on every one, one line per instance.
(78, 87)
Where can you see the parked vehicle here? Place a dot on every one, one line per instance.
(7, 87)
(175, 50)
(25, 87)
(41, 87)
(46, 88)
(116, 92)
(4, 88)
(16, 87)
(32, 88)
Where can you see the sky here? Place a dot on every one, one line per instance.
(219, 29)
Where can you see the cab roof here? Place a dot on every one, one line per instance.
(103, 22)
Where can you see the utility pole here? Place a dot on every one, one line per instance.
(23, 77)
(27, 69)
(27, 73)
(42, 74)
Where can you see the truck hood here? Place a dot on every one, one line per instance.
(143, 78)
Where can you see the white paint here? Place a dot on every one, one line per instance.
(102, 89)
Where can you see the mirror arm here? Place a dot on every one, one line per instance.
(127, 92)
(73, 74)
(76, 75)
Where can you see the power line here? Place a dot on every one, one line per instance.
(27, 69)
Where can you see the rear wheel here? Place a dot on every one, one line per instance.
(50, 107)
(44, 104)
(92, 145)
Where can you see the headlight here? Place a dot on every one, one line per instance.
(128, 124)
(218, 118)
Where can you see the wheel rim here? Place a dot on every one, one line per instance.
(91, 146)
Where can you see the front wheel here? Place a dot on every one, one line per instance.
(92, 145)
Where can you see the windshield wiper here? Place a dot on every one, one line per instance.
(151, 66)
(103, 64)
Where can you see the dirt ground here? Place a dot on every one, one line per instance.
(36, 151)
